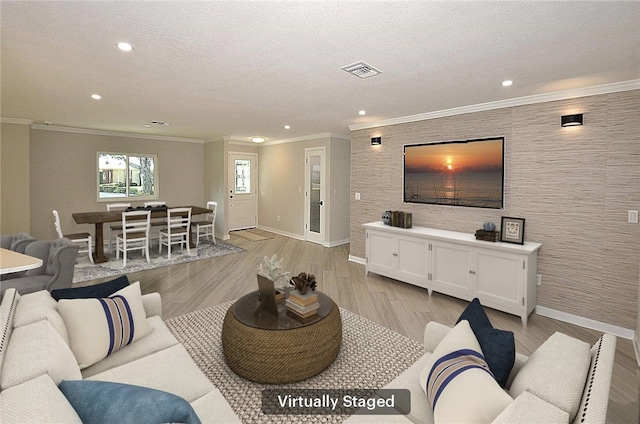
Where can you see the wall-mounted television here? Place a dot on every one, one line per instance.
(457, 173)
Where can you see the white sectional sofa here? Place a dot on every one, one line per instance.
(553, 389)
(35, 356)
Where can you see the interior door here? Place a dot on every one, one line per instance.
(242, 191)
(315, 195)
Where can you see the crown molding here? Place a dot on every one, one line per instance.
(18, 121)
(500, 104)
(114, 133)
(308, 137)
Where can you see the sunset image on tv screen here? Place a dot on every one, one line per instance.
(458, 173)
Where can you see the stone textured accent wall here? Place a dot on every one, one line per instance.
(573, 186)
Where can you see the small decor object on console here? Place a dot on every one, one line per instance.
(512, 230)
(386, 217)
(489, 226)
(487, 235)
(399, 219)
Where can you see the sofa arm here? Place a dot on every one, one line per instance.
(595, 398)
(152, 303)
(64, 261)
(530, 409)
(434, 332)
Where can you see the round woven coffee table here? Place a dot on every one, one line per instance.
(268, 349)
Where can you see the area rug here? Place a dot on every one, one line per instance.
(370, 357)
(252, 235)
(85, 271)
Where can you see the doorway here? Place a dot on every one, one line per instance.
(242, 191)
(315, 174)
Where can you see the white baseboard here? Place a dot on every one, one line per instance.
(624, 333)
(357, 260)
(336, 243)
(282, 233)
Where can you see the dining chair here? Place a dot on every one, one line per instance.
(78, 238)
(135, 234)
(155, 203)
(177, 231)
(207, 226)
(115, 228)
(160, 222)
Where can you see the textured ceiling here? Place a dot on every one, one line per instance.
(236, 69)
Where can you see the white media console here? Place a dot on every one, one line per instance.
(501, 275)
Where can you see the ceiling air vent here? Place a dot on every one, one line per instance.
(361, 70)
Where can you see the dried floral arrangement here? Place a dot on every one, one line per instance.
(271, 268)
(304, 282)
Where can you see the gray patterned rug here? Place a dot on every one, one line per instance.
(85, 271)
(370, 357)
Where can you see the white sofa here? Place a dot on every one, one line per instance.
(35, 357)
(544, 402)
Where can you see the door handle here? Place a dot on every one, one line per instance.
(321, 203)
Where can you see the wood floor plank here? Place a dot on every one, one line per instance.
(401, 307)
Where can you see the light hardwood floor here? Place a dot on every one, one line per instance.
(395, 305)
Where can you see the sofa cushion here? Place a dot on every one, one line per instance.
(99, 327)
(556, 372)
(159, 338)
(37, 401)
(530, 409)
(213, 407)
(498, 346)
(38, 306)
(34, 350)
(160, 371)
(105, 289)
(459, 386)
(8, 307)
(103, 402)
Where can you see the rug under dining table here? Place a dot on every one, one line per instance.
(370, 357)
(86, 271)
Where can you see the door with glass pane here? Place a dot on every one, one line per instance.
(314, 194)
(242, 191)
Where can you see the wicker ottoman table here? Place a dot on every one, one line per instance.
(268, 349)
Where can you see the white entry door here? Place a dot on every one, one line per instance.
(314, 194)
(242, 191)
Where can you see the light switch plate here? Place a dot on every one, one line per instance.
(357, 196)
(633, 217)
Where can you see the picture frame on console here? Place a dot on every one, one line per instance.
(512, 230)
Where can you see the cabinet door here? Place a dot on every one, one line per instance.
(450, 270)
(412, 260)
(500, 280)
(380, 253)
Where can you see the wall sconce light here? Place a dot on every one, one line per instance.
(375, 141)
(571, 120)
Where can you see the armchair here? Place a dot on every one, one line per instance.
(16, 242)
(58, 262)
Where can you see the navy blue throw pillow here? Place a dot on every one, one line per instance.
(103, 402)
(498, 346)
(101, 290)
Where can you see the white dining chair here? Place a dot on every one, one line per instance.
(135, 234)
(207, 226)
(115, 228)
(155, 203)
(177, 231)
(78, 238)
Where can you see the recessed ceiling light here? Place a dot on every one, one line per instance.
(160, 123)
(257, 139)
(507, 83)
(287, 127)
(96, 96)
(125, 47)
(147, 125)
(362, 112)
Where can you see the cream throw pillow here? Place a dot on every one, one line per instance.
(461, 385)
(99, 327)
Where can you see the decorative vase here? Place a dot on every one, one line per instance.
(386, 217)
(489, 226)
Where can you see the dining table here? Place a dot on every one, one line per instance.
(99, 218)
(11, 261)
